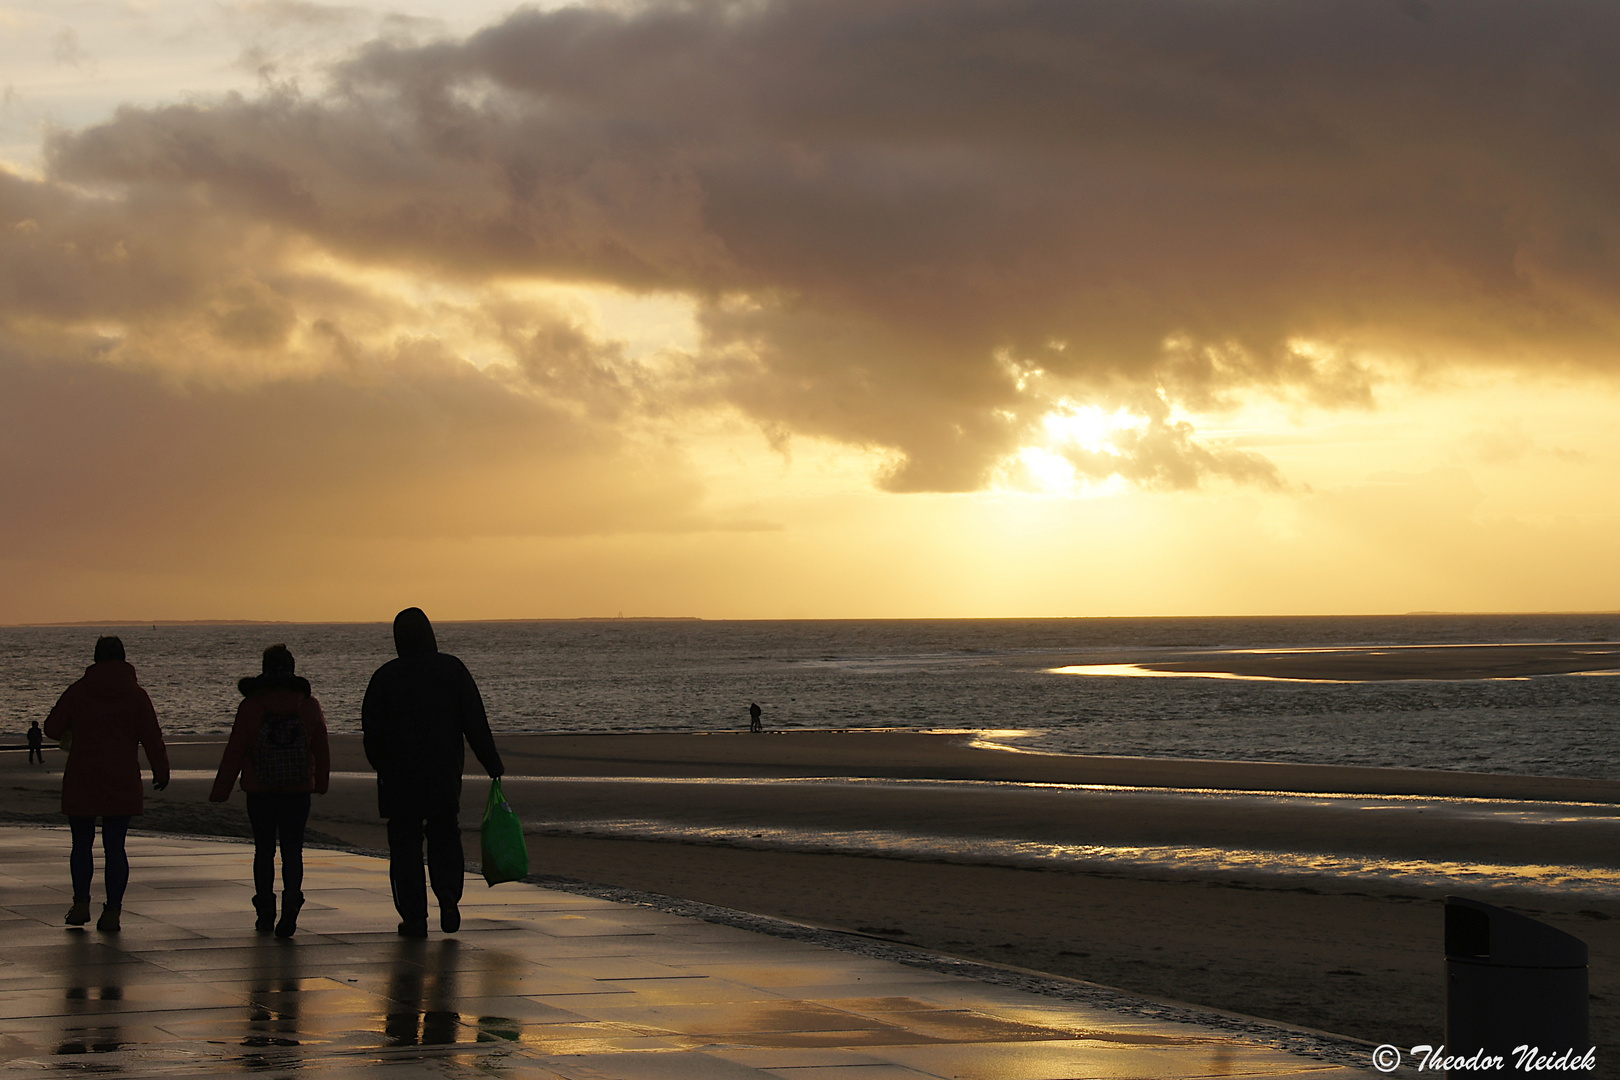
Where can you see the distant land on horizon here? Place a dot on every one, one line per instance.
(889, 618)
(355, 622)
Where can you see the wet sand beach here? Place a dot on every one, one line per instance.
(1342, 953)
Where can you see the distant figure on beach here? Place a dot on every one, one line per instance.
(36, 743)
(419, 714)
(278, 746)
(99, 721)
(754, 723)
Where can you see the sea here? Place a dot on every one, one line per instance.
(994, 676)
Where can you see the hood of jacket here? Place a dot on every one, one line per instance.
(413, 634)
(257, 685)
(109, 678)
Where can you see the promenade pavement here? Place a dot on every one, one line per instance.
(538, 983)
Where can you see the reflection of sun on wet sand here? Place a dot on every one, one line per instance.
(1373, 663)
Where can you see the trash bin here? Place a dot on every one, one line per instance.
(1511, 981)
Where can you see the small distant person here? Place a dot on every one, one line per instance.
(36, 743)
(99, 721)
(279, 747)
(420, 713)
(754, 713)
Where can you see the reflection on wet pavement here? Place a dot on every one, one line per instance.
(422, 995)
(537, 984)
(270, 1035)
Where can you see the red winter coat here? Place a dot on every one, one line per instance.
(272, 694)
(109, 715)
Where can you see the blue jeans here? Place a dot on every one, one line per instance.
(83, 860)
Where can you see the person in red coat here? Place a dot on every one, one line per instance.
(278, 746)
(100, 720)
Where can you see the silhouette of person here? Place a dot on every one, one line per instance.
(753, 718)
(100, 720)
(36, 743)
(279, 747)
(420, 713)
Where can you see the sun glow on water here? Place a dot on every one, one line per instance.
(1136, 671)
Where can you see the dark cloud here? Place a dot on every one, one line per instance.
(923, 226)
(122, 469)
(180, 385)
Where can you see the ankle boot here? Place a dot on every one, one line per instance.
(291, 904)
(79, 913)
(265, 905)
(108, 923)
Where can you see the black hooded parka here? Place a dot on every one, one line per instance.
(417, 711)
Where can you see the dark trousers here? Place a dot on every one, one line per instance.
(36, 752)
(445, 865)
(278, 819)
(82, 862)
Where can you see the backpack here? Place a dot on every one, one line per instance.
(281, 757)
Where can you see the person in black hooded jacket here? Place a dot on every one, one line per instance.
(419, 714)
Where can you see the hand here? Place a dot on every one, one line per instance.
(159, 785)
(496, 775)
(211, 798)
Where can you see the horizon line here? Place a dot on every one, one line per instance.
(834, 618)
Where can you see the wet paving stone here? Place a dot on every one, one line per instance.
(537, 983)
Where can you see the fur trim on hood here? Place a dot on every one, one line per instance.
(256, 685)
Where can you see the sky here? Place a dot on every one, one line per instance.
(843, 308)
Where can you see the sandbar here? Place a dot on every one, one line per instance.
(1380, 663)
(910, 754)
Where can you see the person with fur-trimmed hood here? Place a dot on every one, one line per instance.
(421, 710)
(279, 747)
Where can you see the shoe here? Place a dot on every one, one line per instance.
(290, 907)
(108, 923)
(416, 928)
(449, 918)
(79, 913)
(266, 907)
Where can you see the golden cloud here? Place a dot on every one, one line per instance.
(920, 228)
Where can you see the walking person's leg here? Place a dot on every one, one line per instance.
(405, 873)
(115, 864)
(446, 866)
(262, 817)
(82, 864)
(292, 815)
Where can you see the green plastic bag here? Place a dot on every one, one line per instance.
(506, 855)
